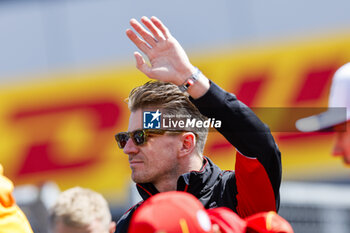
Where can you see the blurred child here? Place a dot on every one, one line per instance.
(81, 210)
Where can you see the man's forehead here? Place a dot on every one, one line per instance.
(135, 120)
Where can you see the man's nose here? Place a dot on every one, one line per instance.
(130, 147)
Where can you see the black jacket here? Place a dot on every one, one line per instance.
(254, 185)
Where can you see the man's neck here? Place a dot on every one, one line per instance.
(194, 163)
(168, 185)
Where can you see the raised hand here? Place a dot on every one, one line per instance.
(168, 60)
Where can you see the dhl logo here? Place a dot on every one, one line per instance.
(50, 131)
(63, 131)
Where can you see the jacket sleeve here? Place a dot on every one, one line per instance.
(258, 158)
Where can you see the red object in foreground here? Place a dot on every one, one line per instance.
(181, 212)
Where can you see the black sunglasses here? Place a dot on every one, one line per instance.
(139, 136)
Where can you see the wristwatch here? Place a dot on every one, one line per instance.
(190, 81)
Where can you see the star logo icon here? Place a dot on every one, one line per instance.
(151, 119)
(156, 115)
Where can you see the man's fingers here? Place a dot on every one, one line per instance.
(143, 32)
(139, 59)
(141, 64)
(148, 23)
(161, 27)
(141, 44)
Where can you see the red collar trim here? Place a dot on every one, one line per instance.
(150, 194)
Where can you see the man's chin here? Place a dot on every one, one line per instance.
(139, 179)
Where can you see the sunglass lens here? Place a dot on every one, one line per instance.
(139, 137)
(122, 139)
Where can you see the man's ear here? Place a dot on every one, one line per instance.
(188, 143)
(112, 227)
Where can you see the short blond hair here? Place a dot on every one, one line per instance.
(79, 207)
(169, 98)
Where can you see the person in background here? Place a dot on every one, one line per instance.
(81, 210)
(337, 118)
(168, 158)
(181, 212)
(12, 219)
